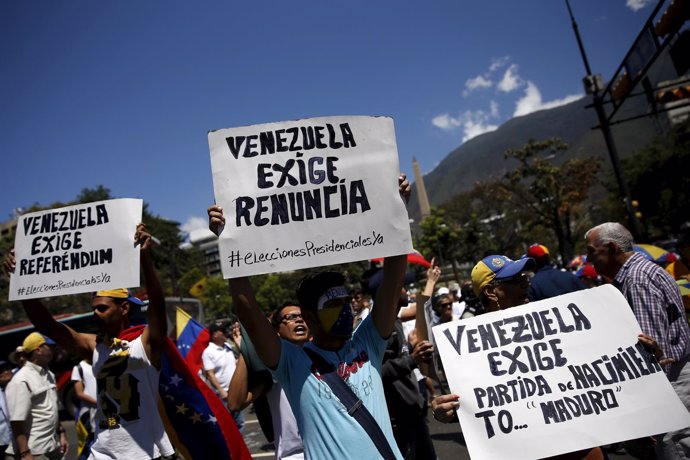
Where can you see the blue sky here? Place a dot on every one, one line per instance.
(123, 93)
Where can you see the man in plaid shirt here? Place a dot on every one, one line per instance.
(656, 302)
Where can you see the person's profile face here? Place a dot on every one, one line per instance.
(513, 291)
(599, 254)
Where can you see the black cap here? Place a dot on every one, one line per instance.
(213, 327)
(312, 287)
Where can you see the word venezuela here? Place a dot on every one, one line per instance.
(332, 195)
(526, 357)
(61, 232)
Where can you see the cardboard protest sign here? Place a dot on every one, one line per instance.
(556, 376)
(308, 193)
(82, 248)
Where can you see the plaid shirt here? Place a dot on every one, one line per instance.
(655, 299)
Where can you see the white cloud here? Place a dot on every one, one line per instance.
(472, 123)
(480, 81)
(494, 109)
(194, 223)
(532, 101)
(474, 128)
(636, 5)
(511, 80)
(446, 122)
(498, 63)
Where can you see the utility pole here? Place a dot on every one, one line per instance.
(594, 86)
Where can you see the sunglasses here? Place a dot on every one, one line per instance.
(519, 279)
(290, 317)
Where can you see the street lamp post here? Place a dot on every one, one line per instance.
(593, 87)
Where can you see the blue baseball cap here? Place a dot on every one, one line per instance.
(498, 267)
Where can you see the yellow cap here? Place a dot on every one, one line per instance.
(120, 293)
(35, 340)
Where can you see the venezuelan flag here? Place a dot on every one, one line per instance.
(197, 422)
(192, 339)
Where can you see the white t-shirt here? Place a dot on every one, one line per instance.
(83, 373)
(86, 377)
(220, 360)
(288, 443)
(127, 399)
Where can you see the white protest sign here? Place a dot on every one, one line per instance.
(556, 376)
(308, 193)
(82, 248)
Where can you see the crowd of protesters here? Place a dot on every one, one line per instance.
(343, 372)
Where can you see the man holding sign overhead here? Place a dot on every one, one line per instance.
(125, 361)
(328, 421)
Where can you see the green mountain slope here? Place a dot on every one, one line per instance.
(483, 156)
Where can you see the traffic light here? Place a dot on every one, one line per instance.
(636, 209)
(673, 18)
(678, 93)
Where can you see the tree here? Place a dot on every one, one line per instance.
(658, 179)
(440, 237)
(488, 220)
(171, 261)
(550, 195)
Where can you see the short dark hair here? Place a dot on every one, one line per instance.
(435, 302)
(312, 287)
(277, 317)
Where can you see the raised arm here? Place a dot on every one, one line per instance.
(385, 308)
(261, 333)
(432, 276)
(239, 393)
(79, 344)
(157, 329)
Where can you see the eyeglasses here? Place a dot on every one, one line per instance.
(290, 317)
(519, 279)
(443, 306)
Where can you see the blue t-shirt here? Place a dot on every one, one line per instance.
(328, 432)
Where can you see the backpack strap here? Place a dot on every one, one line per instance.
(355, 407)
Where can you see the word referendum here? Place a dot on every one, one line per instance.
(65, 262)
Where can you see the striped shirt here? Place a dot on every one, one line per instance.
(655, 299)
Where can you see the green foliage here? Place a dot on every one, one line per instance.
(440, 237)
(216, 298)
(542, 199)
(488, 222)
(657, 176)
(171, 261)
(550, 194)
